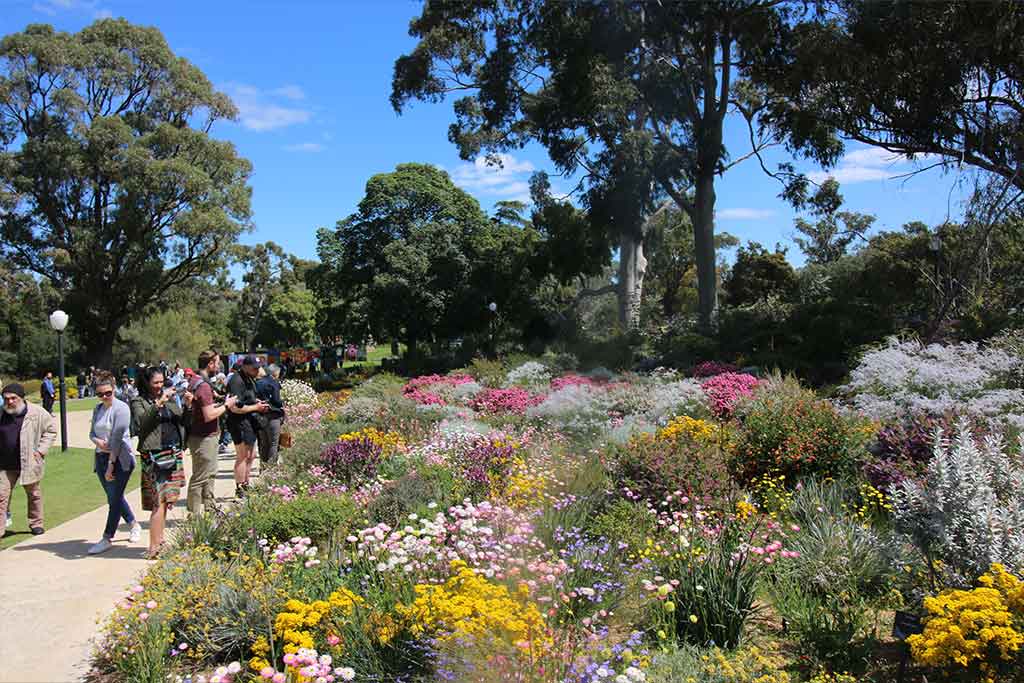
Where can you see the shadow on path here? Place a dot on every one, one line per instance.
(77, 549)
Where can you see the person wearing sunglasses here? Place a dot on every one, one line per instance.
(115, 460)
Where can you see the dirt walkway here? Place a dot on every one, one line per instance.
(52, 592)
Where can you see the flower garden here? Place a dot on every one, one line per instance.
(523, 521)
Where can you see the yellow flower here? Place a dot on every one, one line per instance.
(470, 607)
(693, 618)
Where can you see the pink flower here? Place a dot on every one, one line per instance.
(267, 672)
(144, 616)
(333, 639)
(278, 678)
(151, 604)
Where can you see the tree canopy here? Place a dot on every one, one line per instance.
(111, 186)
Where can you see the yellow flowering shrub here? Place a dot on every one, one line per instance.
(300, 622)
(752, 664)
(260, 654)
(873, 504)
(390, 442)
(977, 628)
(526, 487)
(828, 677)
(771, 494)
(470, 607)
(685, 426)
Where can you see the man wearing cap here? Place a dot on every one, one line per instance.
(241, 419)
(26, 434)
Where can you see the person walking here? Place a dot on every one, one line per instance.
(204, 433)
(26, 434)
(81, 381)
(269, 390)
(159, 422)
(115, 460)
(47, 392)
(241, 421)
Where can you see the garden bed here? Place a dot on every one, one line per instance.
(533, 524)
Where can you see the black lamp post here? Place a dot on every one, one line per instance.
(58, 321)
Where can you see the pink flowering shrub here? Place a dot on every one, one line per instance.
(425, 389)
(724, 391)
(570, 381)
(501, 401)
(710, 368)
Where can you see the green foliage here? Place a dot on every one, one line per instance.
(412, 492)
(719, 587)
(419, 261)
(825, 241)
(967, 52)
(787, 430)
(103, 116)
(290, 320)
(829, 593)
(170, 333)
(759, 275)
(625, 521)
(654, 468)
(321, 518)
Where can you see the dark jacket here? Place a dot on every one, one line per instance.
(269, 389)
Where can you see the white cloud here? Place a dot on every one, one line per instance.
(291, 92)
(53, 7)
(260, 111)
(743, 214)
(305, 147)
(509, 180)
(866, 164)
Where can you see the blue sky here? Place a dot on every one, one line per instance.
(312, 80)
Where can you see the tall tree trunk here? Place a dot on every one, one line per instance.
(99, 350)
(704, 246)
(632, 268)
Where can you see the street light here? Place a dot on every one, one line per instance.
(58, 321)
(493, 308)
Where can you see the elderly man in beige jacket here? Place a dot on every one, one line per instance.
(26, 434)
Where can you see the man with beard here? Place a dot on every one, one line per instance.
(26, 434)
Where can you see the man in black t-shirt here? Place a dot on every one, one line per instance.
(241, 420)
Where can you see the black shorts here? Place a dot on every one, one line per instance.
(242, 430)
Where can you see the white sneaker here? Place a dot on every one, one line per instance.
(136, 533)
(10, 520)
(103, 546)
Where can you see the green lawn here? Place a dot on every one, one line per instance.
(373, 358)
(74, 404)
(70, 488)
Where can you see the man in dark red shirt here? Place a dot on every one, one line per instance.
(204, 433)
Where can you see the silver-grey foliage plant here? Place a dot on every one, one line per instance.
(968, 511)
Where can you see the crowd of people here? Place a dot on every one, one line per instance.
(171, 411)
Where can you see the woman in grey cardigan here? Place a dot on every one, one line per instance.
(115, 459)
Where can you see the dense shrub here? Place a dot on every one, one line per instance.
(352, 460)
(903, 448)
(787, 430)
(694, 463)
(968, 511)
(907, 377)
(320, 518)
(725, 390)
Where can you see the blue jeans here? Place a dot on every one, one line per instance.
(118, 507)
